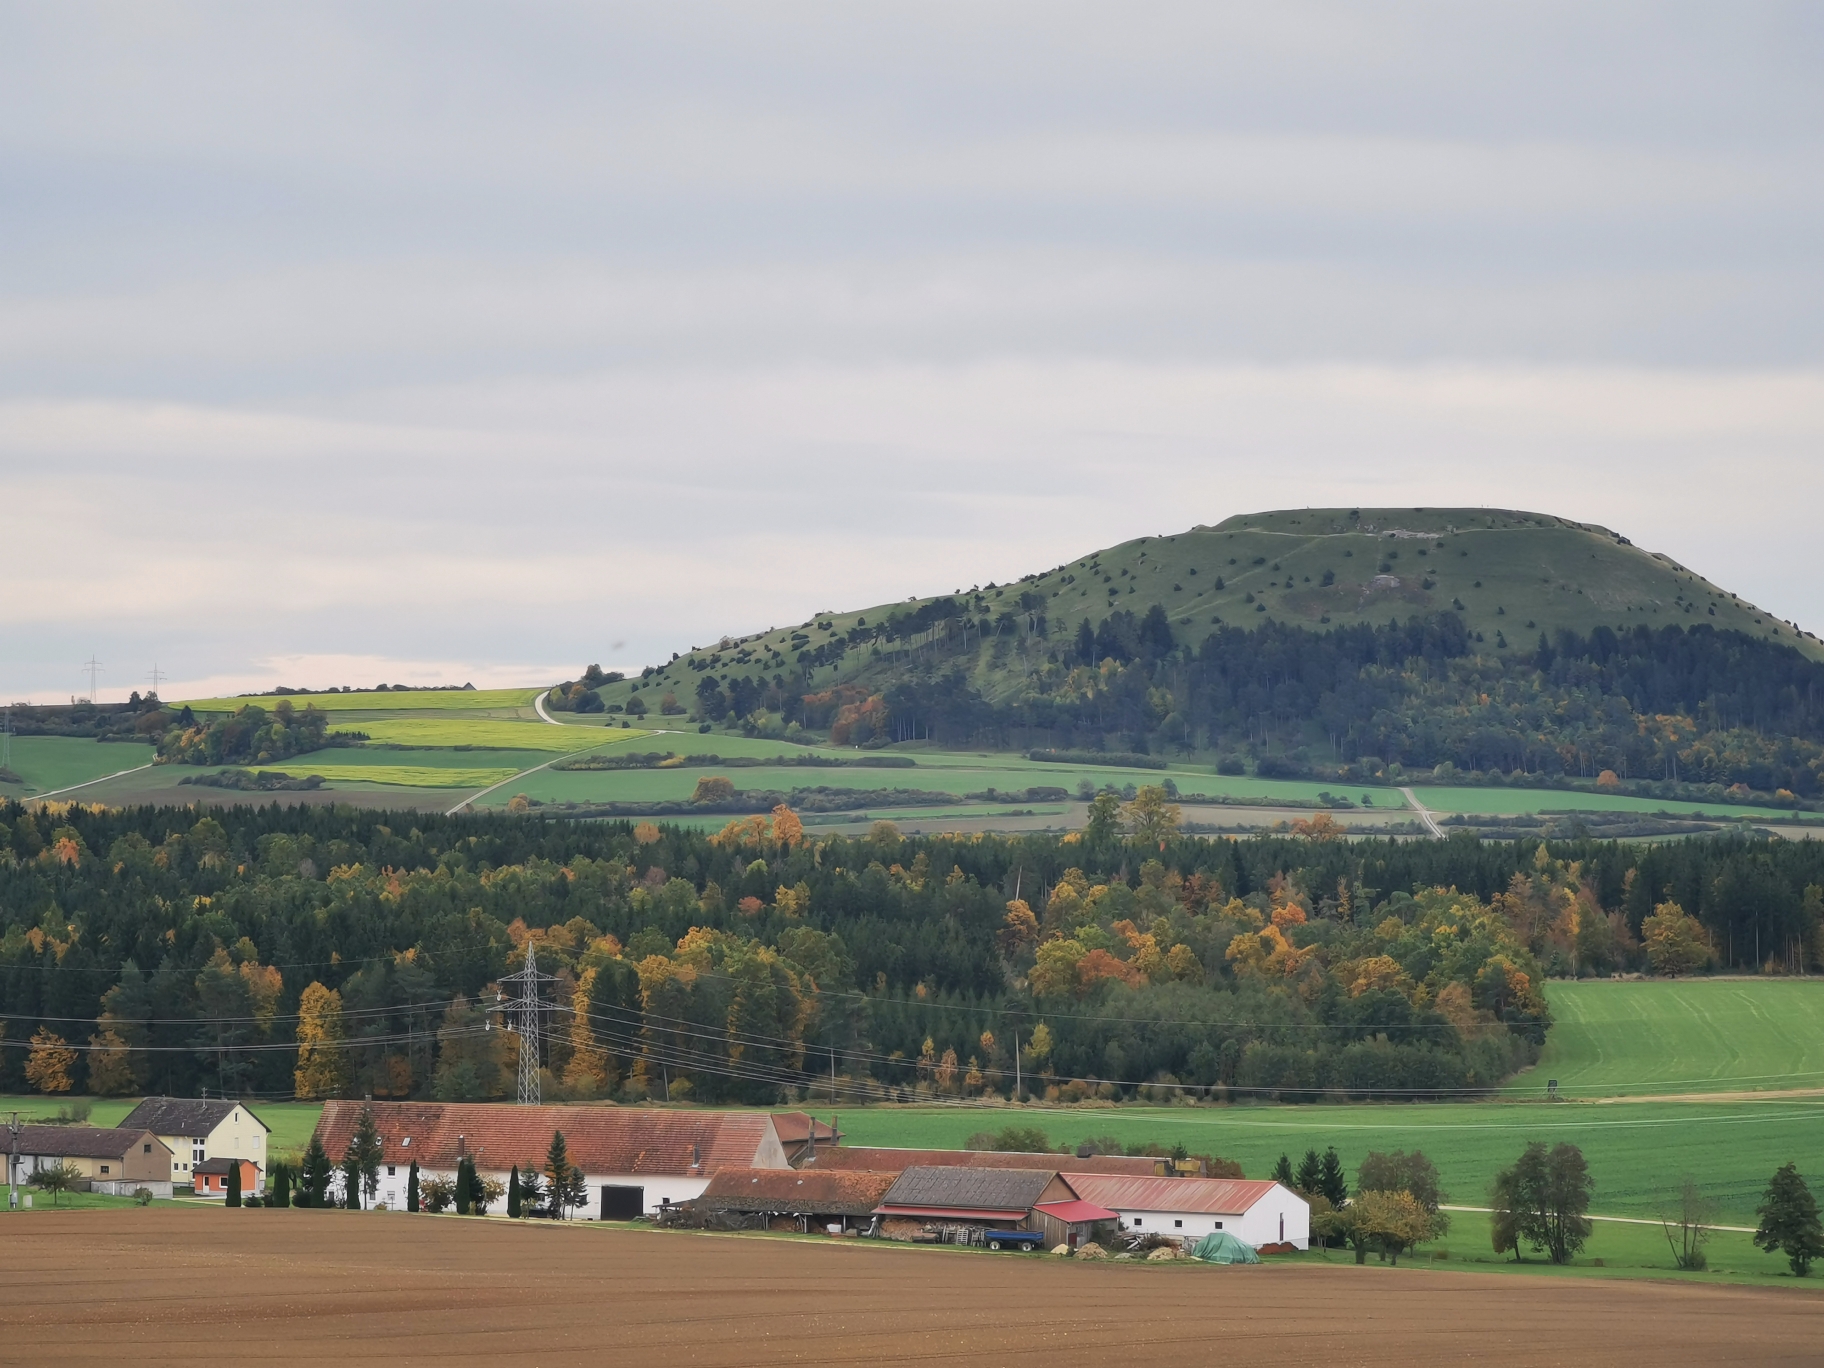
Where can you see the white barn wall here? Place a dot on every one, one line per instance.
(1258, 1225)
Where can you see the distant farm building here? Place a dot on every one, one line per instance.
(960, 1200)
(196, 1129)
(1261, 1213)
(114, 1160)
(635, 1163)
(834, 1202)
(803, 1135)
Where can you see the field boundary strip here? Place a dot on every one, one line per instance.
(99, 779)
(521, 774)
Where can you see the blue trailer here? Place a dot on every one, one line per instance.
(1014, 1239)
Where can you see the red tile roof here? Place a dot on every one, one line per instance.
(1205, 1196)
(600, 1140)
(790, 1192)
(795, 1127)
(1077, 1213)
(899, 1160)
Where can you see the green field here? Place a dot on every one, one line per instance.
(423, 700)
(489, 732)
(1637, 1153)
(405, 776)
(1688, 1036)
(49, 763)
(1506, 802)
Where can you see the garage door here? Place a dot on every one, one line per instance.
(623, 1203)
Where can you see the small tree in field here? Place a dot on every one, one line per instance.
(1686, 1222)
(313, 1186)
(1392, 1221)
(1789, 1221)
(438, 1194)
(234, 1183)
(1543, 1199)
(281, 1185)
(57, 1180)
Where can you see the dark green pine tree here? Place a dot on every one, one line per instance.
(314, 1190)
(234, 1183)
(1331, 1181)
(557, 1170)
(1282, 1171)
(1789, 1221)
(351, 1180)
(281, 1185)
(513, 1193)
(463, 1170)
(1310, 1174)
(411, 1187)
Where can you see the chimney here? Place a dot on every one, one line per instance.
(696, 1157)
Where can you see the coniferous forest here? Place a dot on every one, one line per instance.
(272, 950)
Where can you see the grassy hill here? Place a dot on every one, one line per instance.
(1485, 640)
(1508, 575)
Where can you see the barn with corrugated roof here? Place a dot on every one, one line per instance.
(634, 1162)
(834, 1202)
(969, 1198)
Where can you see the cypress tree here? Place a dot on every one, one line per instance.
(234, 1183)
(281, 1185)
(513, 1208)
(463, 1170)
(411, 1188)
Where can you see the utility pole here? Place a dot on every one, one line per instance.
(523, 1010)
(157, 677)
(12, 1165)
(1016, 1066)
(94, 668)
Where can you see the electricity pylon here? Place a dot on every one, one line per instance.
(523, 1012)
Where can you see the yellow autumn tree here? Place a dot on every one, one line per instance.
(1019, 928)
(110, 1065)
(48, 1065)
(322, 1068)
(1674, 940)
(587, 1074)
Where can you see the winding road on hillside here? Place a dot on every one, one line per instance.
(1424, 812)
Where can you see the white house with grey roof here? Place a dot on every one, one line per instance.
(195, 1129)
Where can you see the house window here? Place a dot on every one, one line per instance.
(1219, 1225)
(104, 1168)
(1138, 1223)
(391, 1171)
(146, 1148)
(1178, 1224)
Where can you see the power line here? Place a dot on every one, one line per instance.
(94, 667)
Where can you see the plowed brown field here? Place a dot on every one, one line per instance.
(304, 1287)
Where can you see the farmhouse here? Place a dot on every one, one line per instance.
(880, 1160)
(210, 1178)
(835, 1202)
(195, 1129)
(968, 1199)
(634, 1162)
(1260, 1213)
(114, 1161)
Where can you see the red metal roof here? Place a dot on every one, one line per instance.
(1203, 1196)
(498, 1135)
(1076, 1213)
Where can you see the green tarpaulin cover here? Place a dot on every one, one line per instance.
(1221, 1247)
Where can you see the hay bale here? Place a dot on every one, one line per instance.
(1092, 1250)
(1162, 1255)
(1060, 1251)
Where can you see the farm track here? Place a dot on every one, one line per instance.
(306, 1287)
(1431, 823)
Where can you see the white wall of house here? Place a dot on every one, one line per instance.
(1260, 1224)
(659, 1189)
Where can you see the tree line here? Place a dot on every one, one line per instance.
(320, 951)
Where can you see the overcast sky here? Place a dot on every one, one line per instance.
(413, 343)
